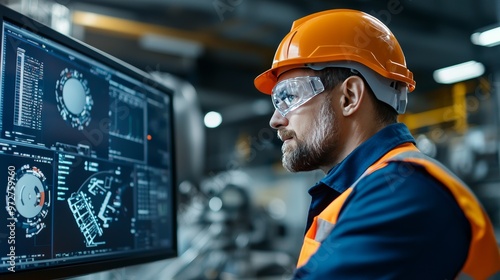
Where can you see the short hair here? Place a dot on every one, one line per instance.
(333, 76)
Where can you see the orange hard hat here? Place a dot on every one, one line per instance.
(335, 36)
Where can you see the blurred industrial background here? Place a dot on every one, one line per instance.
(241, 215)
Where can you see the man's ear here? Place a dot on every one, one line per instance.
(353, 92)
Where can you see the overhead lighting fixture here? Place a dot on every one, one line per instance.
(460, 72)
(171, 45)
(488, 38)
(212, 119)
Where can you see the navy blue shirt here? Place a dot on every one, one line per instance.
(398, 223)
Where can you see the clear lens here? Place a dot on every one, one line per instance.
(289, 94)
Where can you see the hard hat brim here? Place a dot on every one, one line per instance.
(266, 81)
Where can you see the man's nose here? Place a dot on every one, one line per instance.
(277, 120)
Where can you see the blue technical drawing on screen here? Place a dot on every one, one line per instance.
(85, 166)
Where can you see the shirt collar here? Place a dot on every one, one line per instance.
(344, 174)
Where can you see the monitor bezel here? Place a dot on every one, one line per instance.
(141, 257)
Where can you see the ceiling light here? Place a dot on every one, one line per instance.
(212, 119)
(171, 45)
(488, 38)
(460, 72)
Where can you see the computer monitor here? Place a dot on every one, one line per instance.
(86, 157)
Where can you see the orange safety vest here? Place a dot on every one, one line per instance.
(483, 260)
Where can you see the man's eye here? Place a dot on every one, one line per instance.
(289, 98)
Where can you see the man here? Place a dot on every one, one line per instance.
(383, 210)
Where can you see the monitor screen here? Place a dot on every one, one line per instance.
(86, 157)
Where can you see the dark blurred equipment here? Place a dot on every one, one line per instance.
(226, 233)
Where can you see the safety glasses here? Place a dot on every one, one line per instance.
(290, 94)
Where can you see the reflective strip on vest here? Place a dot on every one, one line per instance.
(323, 230)
(483, 260)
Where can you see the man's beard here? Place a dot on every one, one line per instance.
(317, 149)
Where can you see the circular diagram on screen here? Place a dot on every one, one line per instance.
(31, 199)
(74, 101)
(29, 195)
